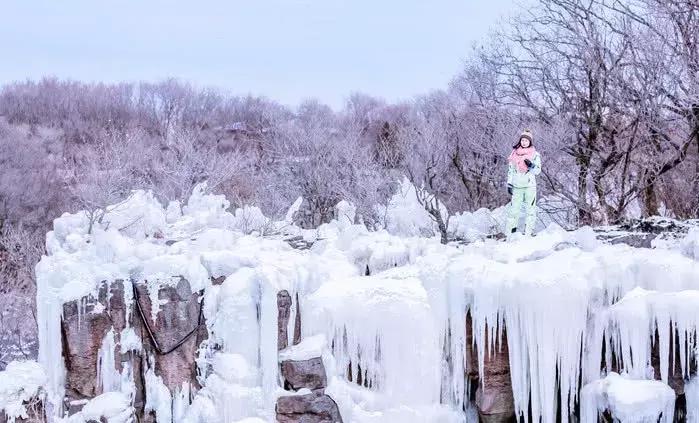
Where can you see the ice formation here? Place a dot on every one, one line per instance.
(628, 400)
(386, 312)
(114, 407)
(20, 382)
(405, 216)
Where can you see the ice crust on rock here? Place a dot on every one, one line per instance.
(385, 309)
(628, 400)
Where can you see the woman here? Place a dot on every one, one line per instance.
(524, 166)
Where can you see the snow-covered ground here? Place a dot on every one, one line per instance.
(388, 302)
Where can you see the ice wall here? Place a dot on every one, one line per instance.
(392, 309)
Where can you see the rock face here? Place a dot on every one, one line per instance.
(494, 398)
(283, 315)
(85, 324)
(641, 233)
(167, 341)
(316, 407)
(311, 408)
(639, 240)
(304, 374)
(172, 339)
(173, 335)
(176, 334)
(675, 379)
(284, 303)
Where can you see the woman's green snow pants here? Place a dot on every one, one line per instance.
(520, 196)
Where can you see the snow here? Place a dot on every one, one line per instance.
(250, 220)
(405, 216)
(20, 382)
(473, 226)
(345, 212)
(690, 244)
(385, 309)
(628, 400)
(308, 348)
(129, 341)
(289, 218)
(114, 406)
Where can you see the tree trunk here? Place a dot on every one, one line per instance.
(611, 215)
(650, 200)
(695, 209)
(441, 224)
(584, 217)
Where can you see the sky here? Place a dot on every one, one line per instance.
(287, 50)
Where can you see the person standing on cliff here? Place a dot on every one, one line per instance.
(524, 166)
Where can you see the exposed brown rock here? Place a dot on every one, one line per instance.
(311, 408)
(297, 322)
(494, 397)
(177, 318)
(84, 325)
(283, 315)
(87, 321)
(471, 356)
(675, 379)
(304, 374)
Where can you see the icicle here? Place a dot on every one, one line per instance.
(158, 397)
(181, 400)
(269, 365)
(108, 378)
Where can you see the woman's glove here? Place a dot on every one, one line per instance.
(509, 189)
(529, 164)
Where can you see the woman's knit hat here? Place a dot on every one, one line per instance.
(525, 134)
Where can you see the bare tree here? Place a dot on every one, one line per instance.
(573, 60)
(428, 166)
(20, 250)
(324, 162)
(107, 172)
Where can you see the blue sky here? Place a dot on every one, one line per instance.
(287, 50)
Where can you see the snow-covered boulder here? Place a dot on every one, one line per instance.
(112, 407)
(627, 400)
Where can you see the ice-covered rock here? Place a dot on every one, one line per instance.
(112, 407)
(88, 328)
(627, 400)
(384, 314)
